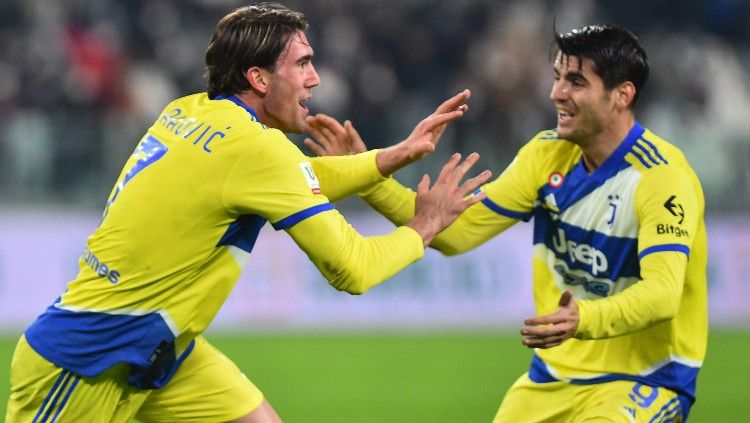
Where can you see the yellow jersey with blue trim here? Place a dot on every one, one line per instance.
(177, 228)
(629, 241)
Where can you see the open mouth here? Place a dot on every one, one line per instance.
(302, 104)
(564, 115)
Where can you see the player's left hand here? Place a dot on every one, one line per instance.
(553, 329)
(331, 138)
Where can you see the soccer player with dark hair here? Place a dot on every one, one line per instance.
(124, 340)
(619, 244)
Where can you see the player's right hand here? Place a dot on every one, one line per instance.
(331, 138)
(425, 136)
(438, 206)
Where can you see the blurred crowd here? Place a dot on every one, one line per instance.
(81, 80)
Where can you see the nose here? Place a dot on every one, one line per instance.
(313, 79)
(559, 91)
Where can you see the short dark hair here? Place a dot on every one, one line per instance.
(246, 37)
(615, 52)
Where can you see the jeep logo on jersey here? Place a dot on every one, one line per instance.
(310, 177)
(675, 209)
(600, 287)
(580, 253)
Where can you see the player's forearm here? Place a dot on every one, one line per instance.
(392, 200)
(393, 158)
(341, 176)
(351, 262)
(654, 299)
(474, 226)
(376, 258)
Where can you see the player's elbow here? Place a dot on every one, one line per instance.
(668, 304)
(447, 250)
(660, 309)
(350, 281)
(667, 310)
(350, 287)
(354, 290)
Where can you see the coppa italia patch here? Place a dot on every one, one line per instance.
(310, 177)
(555, 180)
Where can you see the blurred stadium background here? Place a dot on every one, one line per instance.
(80, 81)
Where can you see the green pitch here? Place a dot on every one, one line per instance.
(423, 377)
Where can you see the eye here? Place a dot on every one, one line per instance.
(578, 82)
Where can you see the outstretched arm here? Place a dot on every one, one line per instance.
(331, 140)
(354, 264)
(396, 202)
(349, 261)
(439, 206)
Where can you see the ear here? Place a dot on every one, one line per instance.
(624, 94)
(258, 79)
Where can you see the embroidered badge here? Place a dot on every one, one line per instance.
(556, 179)
(310, 177)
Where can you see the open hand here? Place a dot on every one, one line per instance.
(425, 136)
(551, 330)
(438, 206)
(330, 138)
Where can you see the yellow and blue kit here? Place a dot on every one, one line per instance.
(629, 241)
(178, 226)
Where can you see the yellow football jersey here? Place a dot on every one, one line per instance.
(629, 241)
(178, 226)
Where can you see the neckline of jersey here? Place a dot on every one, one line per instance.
(234, 99)
(612, 163)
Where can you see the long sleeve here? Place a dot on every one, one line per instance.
(341, 176)
(664, 249)
(276, 182)
(655, 298)
(392, 200)
(349, 261)
(474, 226)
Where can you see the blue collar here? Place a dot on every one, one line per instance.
(237, 101)
(635, 132)
(613, 163)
